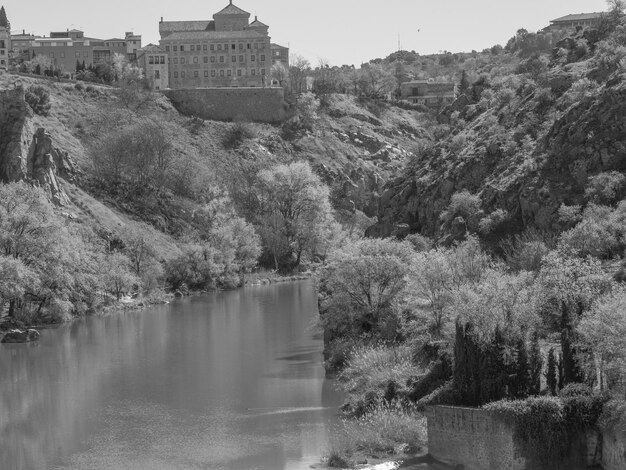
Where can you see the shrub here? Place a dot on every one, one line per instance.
(388, 427)
(38, 98)
(606, 188)
(237, 135)
(420, 242)
(79, 87)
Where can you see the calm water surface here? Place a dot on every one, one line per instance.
(232, 380)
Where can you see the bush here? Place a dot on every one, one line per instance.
(606, 188)
(387, 428)
(79, 87)
(38, 98)
(237, 135)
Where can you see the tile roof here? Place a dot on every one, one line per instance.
(578, 17)
(200, 35)
(257, 24)
(176, 26)
(231, 9)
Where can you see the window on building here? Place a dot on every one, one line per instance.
(204, 47)
(182, 60)
(176, 60)
(230, 72)
(206, 73)
(175, 48)
(233, 46)
(212, 73)
(262, 57)
(248, 46)
(256, 45)
(198, 47)
(195, 60)
(182, 48)
(240, 58)
(262, 71)
(252, 58)
(222, 58)
(219, 47)
(212, 47)
(193, 48)
(205, 59)
(157, 75)
(151, 60)
(163, 59)
(182, 74)
(221, 73)
(195, 74)
(234, 58)
(253, 72)
(212, 59)
(175, 74)
(77, 54)
(167, 48)
(240, 45)
(239, 73)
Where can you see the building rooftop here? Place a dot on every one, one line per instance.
(578, 17)
(152, 48)
(231, 9)
(246, 33)
(257, 24)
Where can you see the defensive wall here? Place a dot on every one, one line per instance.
(228, 104)
(477, 439)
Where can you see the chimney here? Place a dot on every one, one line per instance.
(255, 18)
(161, 19)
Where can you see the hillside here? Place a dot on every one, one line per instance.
(355, 147)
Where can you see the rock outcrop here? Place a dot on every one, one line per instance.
(21, 336)
(27, 154)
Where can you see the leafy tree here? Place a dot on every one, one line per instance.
(462, 204)
(298, 70)
(464, 82)
(376, 81)
(117, 278)
(294, 214)
(359, 285)
(280, 73)
(606, 188)
(38, 98)
(603, 330)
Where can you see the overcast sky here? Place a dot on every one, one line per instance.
(340, 31)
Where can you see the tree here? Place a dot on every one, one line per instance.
(603, 331)
(294, 213)
(4, 21)
(280, 73)
(606, 188)
(552, 372)
(535, 366)
(375, 81)
(298, 70)
(359, 285)
(464, 82)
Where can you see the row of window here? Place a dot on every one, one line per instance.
(222, 73)
(213, 59)
(156, 59)
(213, 47)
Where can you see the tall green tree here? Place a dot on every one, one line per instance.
(4, 21)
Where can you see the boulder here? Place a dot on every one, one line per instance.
(21, 336)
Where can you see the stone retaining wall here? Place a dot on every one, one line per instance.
(474, 438)
(228, 104)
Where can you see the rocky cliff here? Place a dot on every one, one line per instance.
(26, 151)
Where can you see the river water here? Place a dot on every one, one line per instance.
(232, 380)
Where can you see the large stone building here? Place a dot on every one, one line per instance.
(66, 48)
(227, 51)
(575, 21)
(153, 61)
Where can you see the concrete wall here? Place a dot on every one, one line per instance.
(474, 438)
(614, 450)
(227, 104)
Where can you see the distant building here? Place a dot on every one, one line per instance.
(66, 48)
(575, 21)
(227, 51)
(280, 55)
(5, 39)
(21, 47)
(428, 93)
(153, 61)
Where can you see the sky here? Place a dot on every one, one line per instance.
(337, 31)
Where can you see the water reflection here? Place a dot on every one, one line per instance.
(227, 381)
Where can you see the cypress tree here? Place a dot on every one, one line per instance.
(522, 377)
(77, 66)
(535, 365)
(464, 83)
(4, 21)
(551, 373)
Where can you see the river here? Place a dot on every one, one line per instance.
(231, 380)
